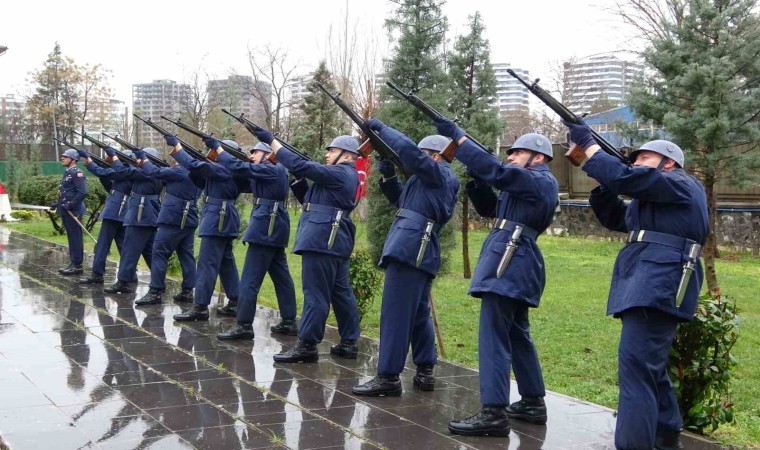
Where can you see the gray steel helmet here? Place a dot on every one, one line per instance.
(664, 148)
(347, 143)
(128, 152)
(263, 147)
(534, 142)
(71, 153)
(232, 144)
(151, 151)
(434, 142)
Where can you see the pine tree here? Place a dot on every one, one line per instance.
(473, 88)
(417, 64)
(318, 120)
(705, 91)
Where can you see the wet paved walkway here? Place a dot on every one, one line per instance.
(83, 369)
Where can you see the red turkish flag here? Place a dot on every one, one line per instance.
(363, 168)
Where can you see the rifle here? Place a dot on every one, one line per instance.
(575, 155)
(192, 151)
(191, 129)
(97, 160)
(157, 161)
(373, 142)
(123, 157)
(252, 127)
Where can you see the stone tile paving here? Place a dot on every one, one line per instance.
(84, 369)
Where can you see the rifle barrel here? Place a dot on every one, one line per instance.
(252, 127)
(157, 161)
(99, 161)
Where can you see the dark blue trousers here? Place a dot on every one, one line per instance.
(215, 258)
(169, 239)
(504, 343)
(325, 281)
(647, 402)
(405, 318)
(137, 241)
(74, 235)
(259, 260)
(110, 231)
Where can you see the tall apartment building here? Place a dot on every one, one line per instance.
(11, 118)
(151, 100)
(598, 78)
(240, 94)
(511, 96)
(297, 89)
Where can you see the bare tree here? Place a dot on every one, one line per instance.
(94, 91)
(272, 74)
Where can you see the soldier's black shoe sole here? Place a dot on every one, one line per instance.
(343, 353)
(378, 393)
(226, 312)
(299, 359)
(424, 386)
(493, 432)
(284, 332)
(249, 336)
(538, 420)
(190, 318)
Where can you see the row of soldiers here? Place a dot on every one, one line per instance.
(666, 222)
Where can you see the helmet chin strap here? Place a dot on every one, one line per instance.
(337, 159)
(530, 160)
(662, 163)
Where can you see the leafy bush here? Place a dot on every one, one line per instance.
(701, 362)
(365, 280)
(24, 214)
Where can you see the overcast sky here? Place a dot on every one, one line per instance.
(140, 41)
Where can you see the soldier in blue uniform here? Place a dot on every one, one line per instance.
(111, 218)
(267, 236)
(140, 221)
(509, 278)
(218, 230)
(411, 258)
(325, 240)
(71, 194)
(177, 222)
(667, 225)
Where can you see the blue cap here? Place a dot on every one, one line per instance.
(534, 142)
(151, 151)
(664, 148)
(347, 143)
(435, 142)
(71, 153)
(263, 147)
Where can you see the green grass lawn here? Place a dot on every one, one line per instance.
(577, 343)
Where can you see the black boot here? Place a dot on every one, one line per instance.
(229, 310)
(346, 349)
(490, 421)
(63, 269)
(380, 386)
(195, 312)
(92, 279)
(153, 297)
(424, 380)
(71, 270)
(529, 409)
(302, 352)
(668, 440)
(120, 287)
(186, 295)
(288, 327)
(239, 331)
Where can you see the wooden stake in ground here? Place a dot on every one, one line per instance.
(437, 325)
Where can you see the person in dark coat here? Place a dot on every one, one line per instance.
(267, 236)
(411, 258)
(140, 221)
(667, 225)
(70, 205)
(325, 240)
(509, 277)
(220, 224)
(177, 221)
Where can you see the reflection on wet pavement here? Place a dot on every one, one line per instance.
(80, 369)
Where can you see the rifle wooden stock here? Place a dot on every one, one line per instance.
(448, 152)
(375, 142)
(272, 158)
(365, 149)
(189, 149)
(575, 155)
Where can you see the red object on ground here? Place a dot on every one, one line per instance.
(2, 189)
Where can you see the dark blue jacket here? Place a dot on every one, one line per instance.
(430, 191)
(118, 192)
(145, 192)
(71, 192)
(181, 197)
(334, 189)
(220, 192)
(529, 196)
(268, 184)
(674, 203)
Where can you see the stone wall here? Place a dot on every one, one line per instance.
(738, 225)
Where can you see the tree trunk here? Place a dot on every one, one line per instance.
(710, 252)
(466, 270)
